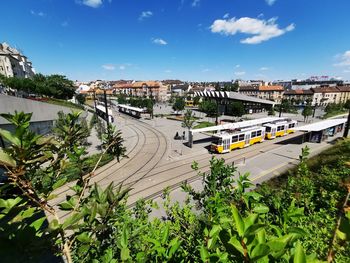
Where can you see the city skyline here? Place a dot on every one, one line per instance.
(193, 40)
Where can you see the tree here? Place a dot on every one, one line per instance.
(347, 104)
(307, 111)
(80, 98)
(196, 100)
(189, 120)
(271, 111)
(236, 108)
(179, 104)
(113, 142)
(209, 107)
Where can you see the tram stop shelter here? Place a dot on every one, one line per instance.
(134, 111)
(320, 131)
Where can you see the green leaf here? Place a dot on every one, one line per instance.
(70, 221)
(259, 251)
(215, 230)
(238, 220)
(10, 203)
(234, 242)
(204, 253)
(250, 220)
(261, 209)
(8, 136)
(174, 246)
(252, 230)
(59, 183)
(261, 236)
(6, 159)
(165, 234)
(124, 238)
(38, 223)
(124, 254)
(84, 237)
(299, 254)
(54, 225)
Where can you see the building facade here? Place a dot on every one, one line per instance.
(14, 64)
(273, 93)
(145, 89)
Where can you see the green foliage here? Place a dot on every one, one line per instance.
(209, 107)
(56, 86)
(80, 98)
(307, 111)
(271, 112)
(224, 222)
(189, 120)
(236, 109)
(113, 142)
(179, 104)
(196, 100)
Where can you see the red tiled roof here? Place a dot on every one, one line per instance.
(325, 90)
(271, 88)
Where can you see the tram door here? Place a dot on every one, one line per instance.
(273, 132)
(247, 138)
(226, 145)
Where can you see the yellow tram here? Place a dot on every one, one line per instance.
(227, 141)
(279, 128)
(240, 138)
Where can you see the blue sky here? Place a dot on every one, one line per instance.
(199, 40)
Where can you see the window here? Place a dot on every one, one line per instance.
(241, 137)
(258, 133)
(235, 138)
(268, 129)
(253, 134)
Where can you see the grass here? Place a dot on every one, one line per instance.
(204, 124)
(334, 113)
(65, 104)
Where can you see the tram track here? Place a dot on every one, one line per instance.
(182, 177)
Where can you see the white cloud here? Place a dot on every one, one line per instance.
(42, 14)
(167, 71)
(239, 73)
(108, 67)
(145, 14)
(346, 71)
(237, 66)
(64, 23)
(263, 68)
(262, 30)
(159, 41)
(206, 70)
(122, 67)
(196, 3)
(227, 15)
(92, 3)
(343, 59)
(270, 2)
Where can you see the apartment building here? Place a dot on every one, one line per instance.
(270, 92)
(299, 96)
(13, 63)
(148, 89)
(325, 95)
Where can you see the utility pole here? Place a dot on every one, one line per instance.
(95, 99)
(347, 126)
(280, 110)
(106, 107)
(217, 112)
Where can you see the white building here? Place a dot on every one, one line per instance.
(13, 63)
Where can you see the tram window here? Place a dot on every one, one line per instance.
(217, 141)
(253, 134)
(241, 137)
(268, 129)
(258, 133)
(234, 138)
